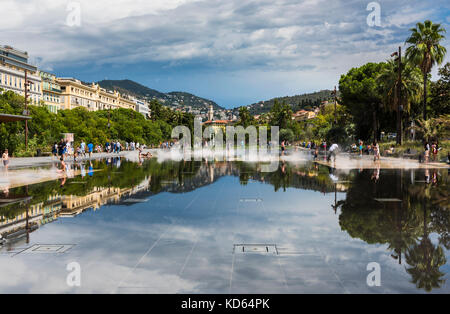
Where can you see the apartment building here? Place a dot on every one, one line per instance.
(51, 91)
(75, 93)
(13, 65)
(142, 107)
(59, 93)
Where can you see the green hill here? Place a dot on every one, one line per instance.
(305, 101)
(172, 99)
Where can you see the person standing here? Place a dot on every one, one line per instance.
(333, 151)
(376, 151)
(61, 148)
(434, 150)
(83, 148)
(55, 150)
(5, 159)
(91, 149)
(427, 151)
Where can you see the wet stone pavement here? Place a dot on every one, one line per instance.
(225, 227)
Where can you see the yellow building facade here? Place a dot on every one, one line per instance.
(76, 94)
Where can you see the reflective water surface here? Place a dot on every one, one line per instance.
(225, 227)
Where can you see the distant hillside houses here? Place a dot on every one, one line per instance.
(303, 115)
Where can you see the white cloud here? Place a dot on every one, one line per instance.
(225, 36)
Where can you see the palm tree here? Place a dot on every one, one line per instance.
(430, 129)
(425, 260)
(425, 51)
(410, 86)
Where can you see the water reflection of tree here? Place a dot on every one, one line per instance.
(404, 226)
(425, 260)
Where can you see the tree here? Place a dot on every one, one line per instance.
(286, 135)
(245, 118)
(431, 128)
(425, 260)
(360, 95)
(410, 88)
(440, 93)
(281, 115)
(425, 51)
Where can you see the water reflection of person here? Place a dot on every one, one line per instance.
(83, 170)
(63, 164)
(91, 169)
(427, 175)
(376, 174)
(434, 180)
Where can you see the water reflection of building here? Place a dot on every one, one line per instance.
(31, 218)
(73, 205)
(37, 214)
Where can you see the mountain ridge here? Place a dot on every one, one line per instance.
(174, 99)
(306, 101)
(182, 100)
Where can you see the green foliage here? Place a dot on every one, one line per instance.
(337, 134)
(286, 135)
(45, 128)
(433, 129)
(297, 102)
(440, 93)
(281, 115)
(361, 96)
(410, 85)
(245, 118)
(425, 51)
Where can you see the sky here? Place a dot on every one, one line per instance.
(234, 52)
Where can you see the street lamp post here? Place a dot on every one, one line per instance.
(109, 122)
(399, 95)
(26, 85)
(334, 93)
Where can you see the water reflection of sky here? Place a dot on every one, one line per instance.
(183, 243)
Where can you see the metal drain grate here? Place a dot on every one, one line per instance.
(251, 200)
(46, 249)
(255, 249)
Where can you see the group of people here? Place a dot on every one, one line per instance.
(167, 144)
(373, 148)
(430, 150)
(64, 148)
(114, 147)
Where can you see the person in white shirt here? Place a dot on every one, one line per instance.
(333, 151)
(83, 148)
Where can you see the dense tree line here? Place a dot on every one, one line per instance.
(97, 127)
(377, 98)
